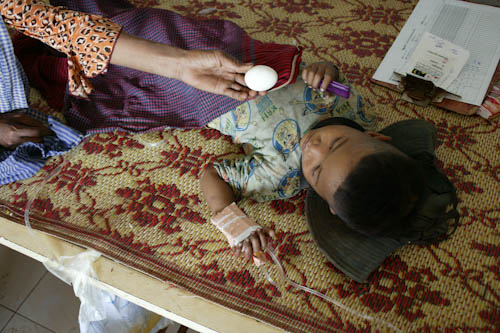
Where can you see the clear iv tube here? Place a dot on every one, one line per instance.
(275, 259)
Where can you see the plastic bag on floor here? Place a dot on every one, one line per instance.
(101, 311)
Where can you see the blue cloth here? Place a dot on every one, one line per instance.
(12, 89)
(28, 158)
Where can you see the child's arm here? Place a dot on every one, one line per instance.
(217, 192)
(219, 195)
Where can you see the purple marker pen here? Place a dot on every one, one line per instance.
(338, 89)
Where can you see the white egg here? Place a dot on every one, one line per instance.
(261, 78)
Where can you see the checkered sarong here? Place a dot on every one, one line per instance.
(135, 101)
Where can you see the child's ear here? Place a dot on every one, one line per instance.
(378, 136)
(332, 211)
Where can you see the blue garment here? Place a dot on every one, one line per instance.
(28, 158)
(12, 89)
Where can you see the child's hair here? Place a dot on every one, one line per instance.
(381, 190)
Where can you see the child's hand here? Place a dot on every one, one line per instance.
(314, 73)
(254, 245)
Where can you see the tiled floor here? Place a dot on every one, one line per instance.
(34, 301)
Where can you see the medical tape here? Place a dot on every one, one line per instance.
(234, 224)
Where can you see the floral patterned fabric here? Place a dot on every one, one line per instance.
(136, 198)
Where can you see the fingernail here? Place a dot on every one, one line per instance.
(322, 90)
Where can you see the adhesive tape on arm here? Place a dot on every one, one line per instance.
(261, 78)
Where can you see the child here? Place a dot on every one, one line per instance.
(298, 137)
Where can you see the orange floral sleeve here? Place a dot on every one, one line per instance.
(86, 39)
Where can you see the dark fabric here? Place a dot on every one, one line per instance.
(356, 254)
(339, 121)
(46, 70)
(135, 101)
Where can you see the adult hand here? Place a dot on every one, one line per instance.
(255, 244)
(17, 128)
(314, 73)
(211, 70)
(216, 72)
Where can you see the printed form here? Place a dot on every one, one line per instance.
(474, 27)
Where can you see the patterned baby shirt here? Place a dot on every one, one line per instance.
(271, 127)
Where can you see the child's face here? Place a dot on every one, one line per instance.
(330, 153)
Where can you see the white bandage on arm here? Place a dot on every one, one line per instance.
(234, 224)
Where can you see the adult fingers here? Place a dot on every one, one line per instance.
(22, 118)
(235, 86)
(240, 79)
(231, 64)
(45, 131)
(37, 139)
(252, 94)
(20, 140)
(28, 131)
(238, 67)
(238, 95)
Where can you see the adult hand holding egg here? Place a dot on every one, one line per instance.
(261, 78)
(214, 71)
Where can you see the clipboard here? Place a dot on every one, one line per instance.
(445, 103)
(449, 104)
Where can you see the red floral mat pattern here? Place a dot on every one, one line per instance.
(135, 198)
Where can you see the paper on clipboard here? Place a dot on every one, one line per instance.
(436, 60)
(473, 27)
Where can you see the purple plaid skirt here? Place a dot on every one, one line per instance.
(135, 101)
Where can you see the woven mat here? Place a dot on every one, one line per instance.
(136, 199)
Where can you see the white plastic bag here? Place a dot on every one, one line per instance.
(101, 311)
